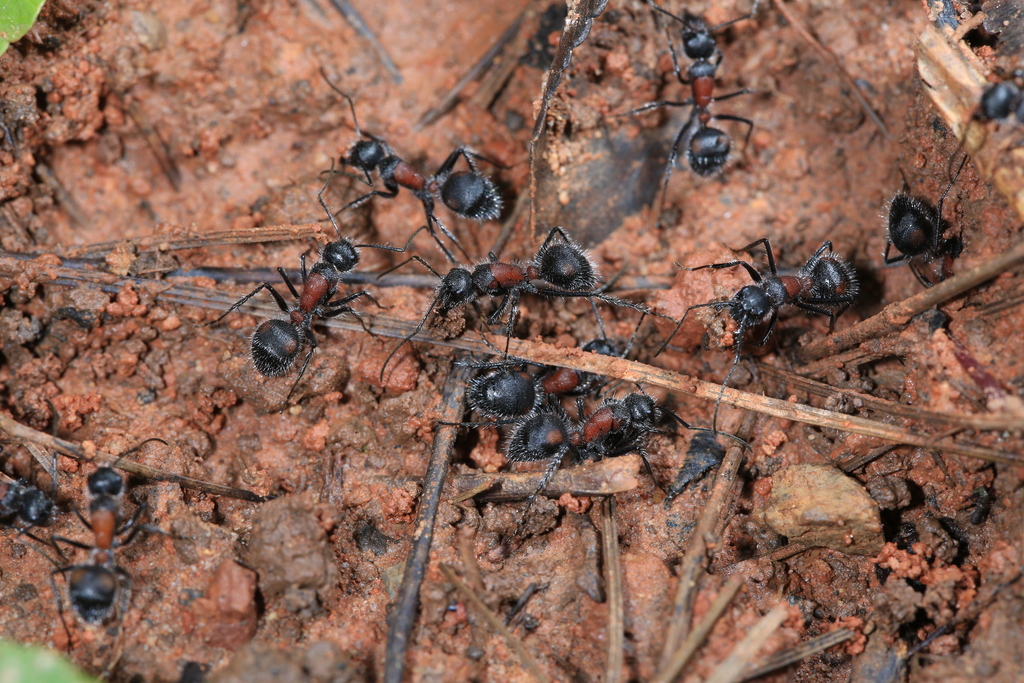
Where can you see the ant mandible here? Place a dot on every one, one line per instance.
(563, 264)
(706, 148)
(277, 343)
(466, 193)
(825, 285)
(916, 232)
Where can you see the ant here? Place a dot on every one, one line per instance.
(825, 285)
(19, 500)
(618, 427)
(1002, 99)
(466, 193)
(916, 232)
(276, 343)
(563, 264)
(99, 587)
(706, 148)
(703, 454)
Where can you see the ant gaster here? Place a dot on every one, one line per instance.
(466, 193)
(1002, 99)
(825, 285)
(706, 148)
(564, 264)
(277, 343)
(916, 232)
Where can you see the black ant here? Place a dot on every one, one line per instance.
(99, 587)
(618, 427)
(19, 500)
(706, 148)
(564, 264)
(916, 232)
(825, 285)
(276, 343)
(466, 193)
(703, 454)
(1002, 99)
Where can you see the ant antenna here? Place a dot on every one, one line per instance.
(345, 95)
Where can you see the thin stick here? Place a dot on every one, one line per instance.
(731, 670)
(196, 240)
(681, 656)
(994, 421)
(613, 580)
(831, 57)
(528, 662)
(900, 313)
(73, 208)
(24, 433)
(797, 653)
(603, 478)
(702, 538)
(407, 602)
(354, 19)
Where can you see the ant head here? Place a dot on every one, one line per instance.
(366, 155)
(105, 482)
(542, 436)
(998, 101)
(35, 507)
(642, 409)
(698, 43)
(275, 344)
(504, 393)
(566, 265)
(91, 589)
(750, 306)
(708, 151)
(342, 254)
(471, 195)
(603, 347)
(912, 225)
(456, 288)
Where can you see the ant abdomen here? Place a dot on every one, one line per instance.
(92, 589)
(911, 224)
(832, 276)
(505, 393)
(275, 345)
(471, 195)
(541, 436)
(566, 266)
(708, 151)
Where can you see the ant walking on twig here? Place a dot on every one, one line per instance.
(466, 193)
(916, 232)
(825, 285)
(563, 264)
(706, 148)
(277, 343)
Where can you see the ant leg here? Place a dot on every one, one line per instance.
(288, 280)
(557, 230)
(636, 330)
(408, 260)
(60, 600)
(753, 11)
(937, 236)
(664, 11)
(770, 254)
(351, 297)
(432, 219)
(71, 542)
(651, 106)
(471, 158)
(302, 370)
(545, 480)
(241, 302)
(600, 322)
(895, 259)
(347, 98)
(714, 304)
(320, 194)
(916, 270)
(740, 119)
(738, 340)
(745, 91)
(754, 275)
(419, 326)
(771, 328)
(388, 247)
(390, 193)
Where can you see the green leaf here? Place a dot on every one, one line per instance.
(16, 18)
(21, 664)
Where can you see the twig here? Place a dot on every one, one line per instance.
(994, 421)
(191, 240)
(856, 462)
(613, 580)
(686, 650)
(602, 478)
(42, 271)
(407, 602)
(830, 56)
(901, 312)
(528, 662)
(64, 197)
(731, 670)
(702, 538)
(356, 22)
(20, 431)
(448, 101)
(797, 653)
(156, 144)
